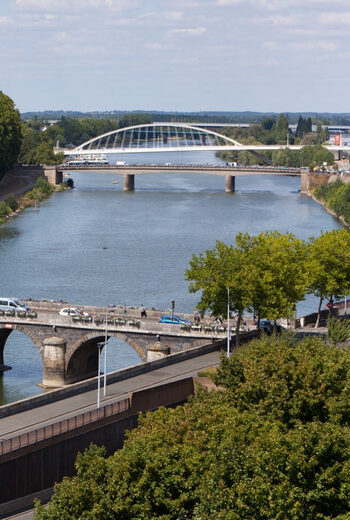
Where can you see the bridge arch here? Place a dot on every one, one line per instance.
(156, 137)
(82, 355)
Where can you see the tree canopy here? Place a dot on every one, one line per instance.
(273, 443)
(265, 274)
(10, 133)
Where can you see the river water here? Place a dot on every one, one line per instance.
(98, 245)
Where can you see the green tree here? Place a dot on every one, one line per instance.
(265, 273)
(329, 266)
(277, 276)
(220, 270)
(10, 133)
(273, 443)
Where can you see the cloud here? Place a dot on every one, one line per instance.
(278, 20)
(334, 18)
(80, 5)
(229, 2)
(188, 32)
(326, 46)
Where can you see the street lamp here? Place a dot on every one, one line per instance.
(105, 357)
(228, 322)
(99, 347)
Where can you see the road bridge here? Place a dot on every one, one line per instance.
(68, 345)
(130, 170)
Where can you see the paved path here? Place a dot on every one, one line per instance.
(65, 408)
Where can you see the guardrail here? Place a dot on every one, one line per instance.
(63, 426)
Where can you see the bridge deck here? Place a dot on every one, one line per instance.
(138, 169)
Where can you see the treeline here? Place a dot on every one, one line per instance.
(336, 195)
(40, 137)
(271, 441)
(276, 131)
(269, 273)
(211, 116)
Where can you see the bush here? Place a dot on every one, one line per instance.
(4, 210)
(11, 202)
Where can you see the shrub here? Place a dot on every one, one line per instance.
(4, 210)
(11, 202)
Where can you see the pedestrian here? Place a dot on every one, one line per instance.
(124, 310)
(196, 317)
(143, 312)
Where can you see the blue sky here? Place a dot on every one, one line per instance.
(265, 55)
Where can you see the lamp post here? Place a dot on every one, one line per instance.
(105, 357)
(228, 322)
(99, 347)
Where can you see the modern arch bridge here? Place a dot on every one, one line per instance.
(169, 137)
(166, 137)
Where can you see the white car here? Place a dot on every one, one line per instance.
(70, 311)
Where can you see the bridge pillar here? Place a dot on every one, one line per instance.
(158, 351)
(230, 183)
(54, 362)
(129, 182)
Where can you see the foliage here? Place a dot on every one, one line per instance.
(41, 191)
(273, 444)
(337, 197)
(329, 265)
(5, 210)
(10, 133)
(338, 330)
(11, 202)
(265, 274)
(37, 148)
(271, 131)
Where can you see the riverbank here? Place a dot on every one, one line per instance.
(329, 210)
(25, 186)
(333, 194)
(19, 181)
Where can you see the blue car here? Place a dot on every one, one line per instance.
(173, 319)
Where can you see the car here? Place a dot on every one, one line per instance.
(176, 320)
(12, 304)
(268, 327)
(69, 311)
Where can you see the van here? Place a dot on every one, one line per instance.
(12, 304)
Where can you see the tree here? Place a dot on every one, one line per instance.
(277, 276)
(273, 443)
(265, 273)
(329, 266)
(220, 270)
(10, 133)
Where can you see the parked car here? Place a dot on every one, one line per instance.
(176, 320)
(69, 311)
(12, 304)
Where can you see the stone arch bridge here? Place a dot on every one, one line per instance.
(69, 349)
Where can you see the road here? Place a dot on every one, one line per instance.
(31, 419)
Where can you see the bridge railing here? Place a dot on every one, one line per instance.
(62, 426)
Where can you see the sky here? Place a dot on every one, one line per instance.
(178, 55)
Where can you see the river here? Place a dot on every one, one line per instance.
(99, 245)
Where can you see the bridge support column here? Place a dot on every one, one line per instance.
(129, 182)
(230, 183)
(158, 351)
(54, 362)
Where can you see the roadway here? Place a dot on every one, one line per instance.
(44, 415)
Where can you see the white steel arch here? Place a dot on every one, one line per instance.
(156, 137)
